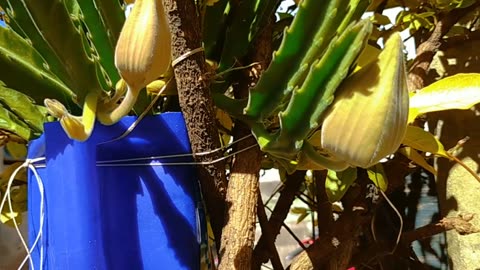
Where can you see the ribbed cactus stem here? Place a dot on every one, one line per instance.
(340, 12)
(272, 86)
(308, 102)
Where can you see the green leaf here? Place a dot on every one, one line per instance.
(113, 16)
(67, 39)
(19, 205)
(23, 24)
(422, 140)
(460, 91)
(462, 3)
(104, 41)
(287, 60)
(237, 35)
(23, 107)
(417, 158)
(308, 102)
(337, 183)
(11, 123)
(214, 27)
(301, 211)
(378, 176)
(415, 21)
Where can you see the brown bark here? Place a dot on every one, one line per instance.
(239, 231)
(335, 242)
(197, 106)
(459, 40)
(238, 234)
(263, 220)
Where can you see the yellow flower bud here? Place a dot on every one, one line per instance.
(142, 54)
(143, 49)
(368, 119)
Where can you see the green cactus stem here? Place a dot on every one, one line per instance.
(24, 69)
(68, 42)
(272, 86)
(316, 94)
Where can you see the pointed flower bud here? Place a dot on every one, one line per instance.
(142, 54)
(143, 49)
(368, 119)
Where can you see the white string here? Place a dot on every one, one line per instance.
(186, 55)
(7, 197)
(114, 163)
(107, 163)
(182, 155)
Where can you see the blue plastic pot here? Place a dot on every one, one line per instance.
(131, 217)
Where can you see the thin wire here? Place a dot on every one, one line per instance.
(186, 55)
(220, 74)
(177, 155)
(116, 163)
(142, 115)
(155, 163)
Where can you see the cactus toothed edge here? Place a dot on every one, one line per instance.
(316, 94)
(103, 43)
(68, 41)
(24, 70)
(21, 22)
(270, 89)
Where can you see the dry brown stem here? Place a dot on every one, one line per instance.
(197, 106)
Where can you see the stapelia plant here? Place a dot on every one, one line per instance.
(326, 101)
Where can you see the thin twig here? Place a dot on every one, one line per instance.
(461, 163)
(324, 207)
(460, 223)
(292, 234)
(427, 50)
(279, 213)
(263, 220)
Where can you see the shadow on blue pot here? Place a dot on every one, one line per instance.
(102, 213)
